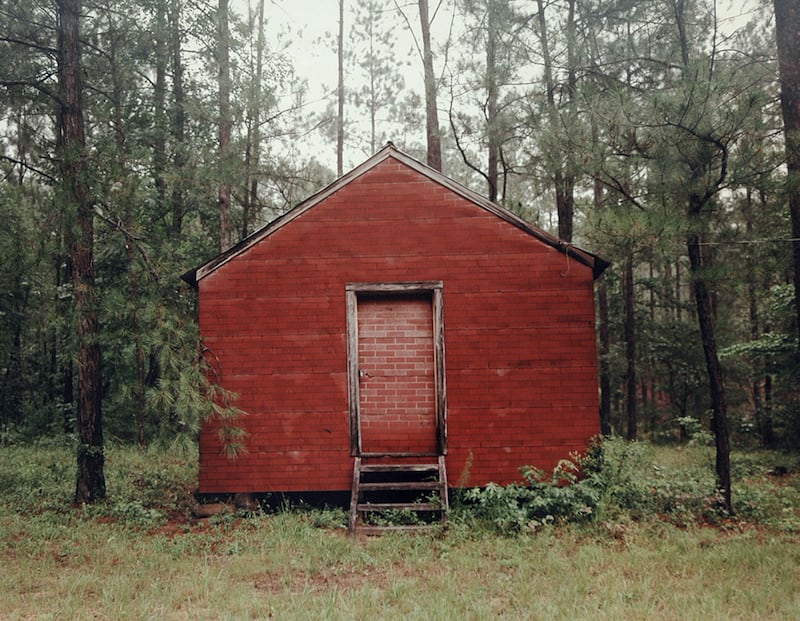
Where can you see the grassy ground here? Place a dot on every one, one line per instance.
(139, 556)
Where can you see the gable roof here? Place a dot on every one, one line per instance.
(597, 264)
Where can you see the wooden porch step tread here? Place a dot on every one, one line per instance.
(403, 455)
(382, 492)
(401, 485)
(416, 528)
(399, 467)
(399, 506)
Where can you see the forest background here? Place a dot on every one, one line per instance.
(138, 139)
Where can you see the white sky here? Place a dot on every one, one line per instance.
(312, 26)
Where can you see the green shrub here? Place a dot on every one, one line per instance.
(618, 480)
(500, 508)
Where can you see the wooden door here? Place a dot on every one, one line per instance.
(397, 396)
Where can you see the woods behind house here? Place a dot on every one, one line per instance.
(139, 138)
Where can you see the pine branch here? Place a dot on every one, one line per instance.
(30, 44)
(129, 236)
(27, 166)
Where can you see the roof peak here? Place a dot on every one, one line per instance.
(597, 264)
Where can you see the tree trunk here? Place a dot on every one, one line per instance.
(565, 203)
(431, 113)
(700, 260)
(160, 124)
(178, 119)
(563, 177)
(340, 97)
(225, 126)
(767, 430)
(787, 29)
(630, 348)
(91, 484)
(719, 419)
(493, 156)
(604, 330)
(605, 351)
(253, 154)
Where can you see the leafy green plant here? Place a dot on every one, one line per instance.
(394, 517)
(329, 518)
(618, 481)
(135, 513)
(695, 431)
(501, 508)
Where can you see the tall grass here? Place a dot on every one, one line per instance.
(139, 556)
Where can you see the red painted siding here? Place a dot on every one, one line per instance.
(520, 356)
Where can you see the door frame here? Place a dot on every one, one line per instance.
(399, 290)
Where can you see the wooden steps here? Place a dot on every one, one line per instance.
(388, 491)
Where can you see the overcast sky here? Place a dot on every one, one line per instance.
(310, 28)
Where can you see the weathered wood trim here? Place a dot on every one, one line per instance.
(353, 372)
(423, 286)
(439, 370)
(432, 287)
(355, 495)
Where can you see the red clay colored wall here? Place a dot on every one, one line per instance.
(520, 359)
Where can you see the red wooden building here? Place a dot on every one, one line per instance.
(397, 312)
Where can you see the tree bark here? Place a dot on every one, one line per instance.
(160, 123)
(493, 155)
(90, 485)
(253, 155)
(178, 119)
(699, 263)
(630, 349)
(719, 419)
(563, 176)
(787, 30)
(340, 96)
(434, 140)
(604, 330)
(225, 126)
(605, 350)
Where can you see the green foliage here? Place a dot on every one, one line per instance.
(769, 345)
(694, 431)
(152, 181)
(499, 507)
(545, 499)
(37, 477)
(618, 481)
(642, 131)
(332, 518)
(145, 488)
